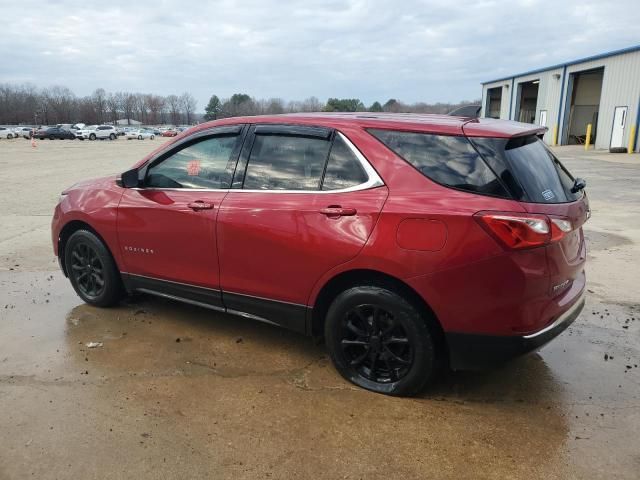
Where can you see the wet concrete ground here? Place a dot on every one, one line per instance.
(180, 392)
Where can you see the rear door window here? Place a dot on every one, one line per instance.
(448, 160)
(286, 162)
(343, 168)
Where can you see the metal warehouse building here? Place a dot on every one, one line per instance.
(602, 90)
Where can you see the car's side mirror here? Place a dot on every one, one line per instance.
(130, 179)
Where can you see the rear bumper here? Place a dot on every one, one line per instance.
(476, 352)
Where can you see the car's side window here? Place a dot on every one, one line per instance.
(208, 163)
(343, 168)
(286, 162)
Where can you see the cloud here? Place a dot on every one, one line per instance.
(373, 50)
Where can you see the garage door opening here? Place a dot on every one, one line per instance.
(584, 94)
(494, 102)
(527, 101)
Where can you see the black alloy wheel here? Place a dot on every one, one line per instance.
(87, 270)
(380, 340)
(92, 270)
(375, 345)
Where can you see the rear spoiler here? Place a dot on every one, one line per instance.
(487, 127)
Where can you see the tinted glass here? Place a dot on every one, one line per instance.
(535, 173)
(343, 169)
(449, 160)
(206, 164)
(281, 162)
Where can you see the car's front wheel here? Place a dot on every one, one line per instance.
(92, 136)
(380, 341)
(91, 270)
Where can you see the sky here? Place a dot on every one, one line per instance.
(372, 50)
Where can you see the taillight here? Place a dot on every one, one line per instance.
(519, 231)
(559, 226)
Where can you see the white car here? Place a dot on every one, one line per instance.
(95, 132)
(24, 132)
(104, 131)
(6, 132)
(85, 132)
(139, 135)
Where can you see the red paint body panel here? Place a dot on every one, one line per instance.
(280, 246)
(421, 234)
(277, 245)
(161, 237)
(94, 202)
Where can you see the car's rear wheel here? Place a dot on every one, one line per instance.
(91, 270)
(152, 137)
(380, 341)
(112, 137)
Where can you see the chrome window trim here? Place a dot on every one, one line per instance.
(373, 180)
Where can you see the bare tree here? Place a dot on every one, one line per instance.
(188, 105)
(173, 106)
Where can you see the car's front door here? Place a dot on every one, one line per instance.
(303, 201)
(166, 228)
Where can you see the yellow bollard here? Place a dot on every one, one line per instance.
(587, 142)
(632, 139)
(554, 140)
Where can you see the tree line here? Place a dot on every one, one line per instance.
(28, 105)
(241, 104)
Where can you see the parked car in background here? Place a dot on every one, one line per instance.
(409, 242)
(139, 135)
(169, 133)
(6, 132)
(85, 132)
(24, 132)
(103, 132)
(53, 133)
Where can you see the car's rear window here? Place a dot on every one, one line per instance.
(449, 160)
(528, 168)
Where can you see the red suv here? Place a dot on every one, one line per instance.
(410, 242)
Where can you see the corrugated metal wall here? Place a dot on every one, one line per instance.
(620, 87)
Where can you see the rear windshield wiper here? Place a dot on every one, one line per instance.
(578, 184)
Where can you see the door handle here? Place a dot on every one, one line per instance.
(200, 205)
(335, 211)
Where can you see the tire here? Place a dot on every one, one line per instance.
(152, 137)
(92, 136)
(87, 263)
(376, 319)
(139, 137)
(9, 137)
(112, 137)
(51, 137)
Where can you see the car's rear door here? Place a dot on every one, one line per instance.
(281, 227)
(166, 228)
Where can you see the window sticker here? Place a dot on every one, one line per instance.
(548, 195)
(193, 168)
